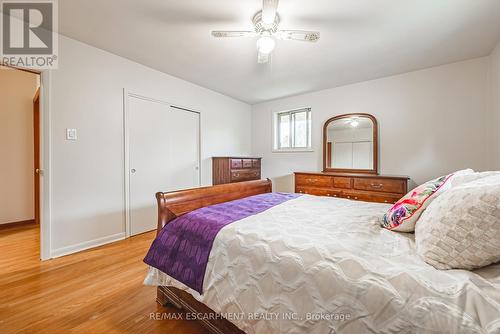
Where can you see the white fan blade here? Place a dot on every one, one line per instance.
(298, 35)
(222, 33)
(269, 8)
(262, 58)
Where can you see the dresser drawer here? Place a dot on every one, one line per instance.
(256, 163)
(245, 175)
(379, 185)
(236, 163)
(318, 191)
(342, 182)
(247, 163)
(369, 196)
(314, 180)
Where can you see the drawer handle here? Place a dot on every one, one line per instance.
(312, 180)
(237, 174)
(335, 195)
(355, 198)
(348, 196)
(377, 186)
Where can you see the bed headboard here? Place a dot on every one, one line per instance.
(176, 203)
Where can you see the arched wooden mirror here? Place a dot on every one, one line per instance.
(350, 144)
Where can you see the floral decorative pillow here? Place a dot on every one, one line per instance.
(403, 215)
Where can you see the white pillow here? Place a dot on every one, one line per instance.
(462, 178)
(461, 228)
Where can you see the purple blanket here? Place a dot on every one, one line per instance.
(183, 246)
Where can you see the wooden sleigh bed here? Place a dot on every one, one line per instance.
(367, 266)
(174, 204)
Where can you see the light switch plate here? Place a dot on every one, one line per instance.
(71, 134)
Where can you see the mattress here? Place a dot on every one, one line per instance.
(324, 265)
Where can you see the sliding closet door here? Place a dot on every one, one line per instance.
(362, 155)
(163, 156)
(343, 155)
(184, 149)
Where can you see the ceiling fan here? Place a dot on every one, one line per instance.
(266, 29)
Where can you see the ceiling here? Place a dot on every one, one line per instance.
(360, 39)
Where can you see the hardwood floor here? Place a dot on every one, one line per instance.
(95, 291)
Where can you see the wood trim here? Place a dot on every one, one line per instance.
(17, 224)
(36, 97)
(374, 170)
(231, 157)
(396, 177)
(36, 151)
(20, 68)
(329, 153)
(176, 203)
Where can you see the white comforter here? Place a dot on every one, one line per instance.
(324, 265)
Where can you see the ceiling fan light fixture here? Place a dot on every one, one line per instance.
(269, 8)
(266, 44)
(266, 24)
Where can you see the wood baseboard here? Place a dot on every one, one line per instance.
(17, 224)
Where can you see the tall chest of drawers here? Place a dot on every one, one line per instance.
(235, 169)
(361, 187)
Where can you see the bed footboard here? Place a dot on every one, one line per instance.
(176, 203)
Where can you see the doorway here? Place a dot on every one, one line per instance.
(163, 154)
(20, 151)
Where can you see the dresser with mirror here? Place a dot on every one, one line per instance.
(350, 164)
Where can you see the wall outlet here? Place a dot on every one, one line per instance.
(71, 134)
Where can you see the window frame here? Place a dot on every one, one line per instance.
(276, 142)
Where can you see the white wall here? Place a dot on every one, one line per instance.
(87, 175)
(495, 108)
(431, 122)
(17, 89)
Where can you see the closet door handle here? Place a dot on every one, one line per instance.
(133, 170)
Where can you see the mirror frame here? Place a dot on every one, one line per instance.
(374, 170)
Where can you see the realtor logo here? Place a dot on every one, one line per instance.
(29, 34)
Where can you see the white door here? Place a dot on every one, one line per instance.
(184, 149)
(342, 155)
(362, 155)
(163, 156)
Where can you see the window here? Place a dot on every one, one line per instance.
(292, 130)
